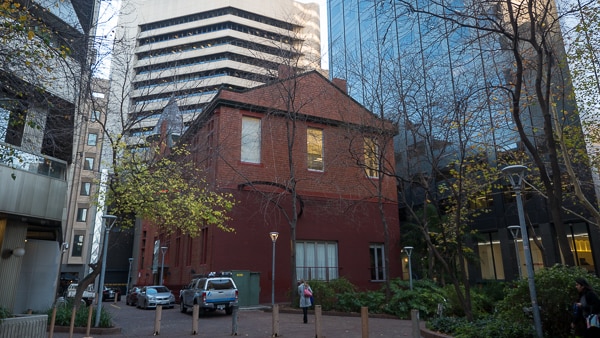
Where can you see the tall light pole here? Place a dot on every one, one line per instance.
(273, 236)
(515, 174)
(128, 277)
(408, 250)
(109, 222)
(163, 250)
(514, 230)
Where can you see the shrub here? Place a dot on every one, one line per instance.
(492, 327)
(5, 313)
(556, 293)
(63, 315)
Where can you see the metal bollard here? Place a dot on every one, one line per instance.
(364, 316)
(157, 319)
(195, 313)
(275, 320)
(234, 320)
(416, 330)
(318, 312)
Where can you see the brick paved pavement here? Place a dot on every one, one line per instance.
(252, 322)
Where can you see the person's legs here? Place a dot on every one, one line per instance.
(305, 312)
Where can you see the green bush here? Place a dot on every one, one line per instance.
(63, 315)
(556, 293)
(493, 327)
(4, 313)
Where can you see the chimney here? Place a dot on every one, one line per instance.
(341, 84)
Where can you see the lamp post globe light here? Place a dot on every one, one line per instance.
(163, 250)
(408, 250)
(109, 222)
(515, 174)
(274, 235)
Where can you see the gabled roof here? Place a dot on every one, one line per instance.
(310, 95)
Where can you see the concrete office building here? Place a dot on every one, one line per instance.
(187, 50)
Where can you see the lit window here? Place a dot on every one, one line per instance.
(82, 214)
(377, 262)
(316, 260)
(92, 139)
(314, 149)
(251, 131)
(371, 158)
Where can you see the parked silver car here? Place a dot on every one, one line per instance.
(151, 296)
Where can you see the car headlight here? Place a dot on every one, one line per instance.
(151, 297)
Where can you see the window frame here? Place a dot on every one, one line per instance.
(315, 143)
(92, 139)
(78, 244)
(86, 163)
(377, 258)
(82, 213)
(88, 189)
(371, 164)
(250, 140)
(311, 266)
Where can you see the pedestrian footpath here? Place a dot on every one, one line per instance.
(251, 322)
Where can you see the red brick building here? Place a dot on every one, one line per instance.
(242, 141)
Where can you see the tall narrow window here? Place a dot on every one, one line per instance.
(92, 139)
(314, 149)
(250, 139)
(377, 262)
(86, 188)
(82, 214)
(88, 163)
(371, 158)
(77, 244)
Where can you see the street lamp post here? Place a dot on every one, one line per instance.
(128, 277)
(408, 250)
(163, 250)
(515, 174)
(514, 230)
(273, 236)
(109, 222)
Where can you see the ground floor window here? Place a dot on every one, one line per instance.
(316, 260)
(490, 257)
(579, 240)
(377, 258)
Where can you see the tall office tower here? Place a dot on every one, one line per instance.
(44, 64)
(450, 89)
(185, 50)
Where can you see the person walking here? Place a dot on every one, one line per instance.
(587, 306)
(305, 293)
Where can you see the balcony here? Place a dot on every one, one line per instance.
(31, 185)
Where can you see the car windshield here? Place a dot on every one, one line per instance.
(219, 284)
(156, 289)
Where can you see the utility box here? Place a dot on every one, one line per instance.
(248, 284)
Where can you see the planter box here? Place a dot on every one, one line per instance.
(26, 326)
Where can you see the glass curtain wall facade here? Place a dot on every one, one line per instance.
(433, 79)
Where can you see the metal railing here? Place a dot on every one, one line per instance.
(19, 159)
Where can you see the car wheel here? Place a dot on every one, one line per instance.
(182, 308)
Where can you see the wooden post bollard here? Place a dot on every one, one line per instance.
(157, 319)
(89, 322)
(52, 322)
(275, 320)
(195, 312)
(318, 312)
(364, 319)
(234, 319)
(416, 330)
